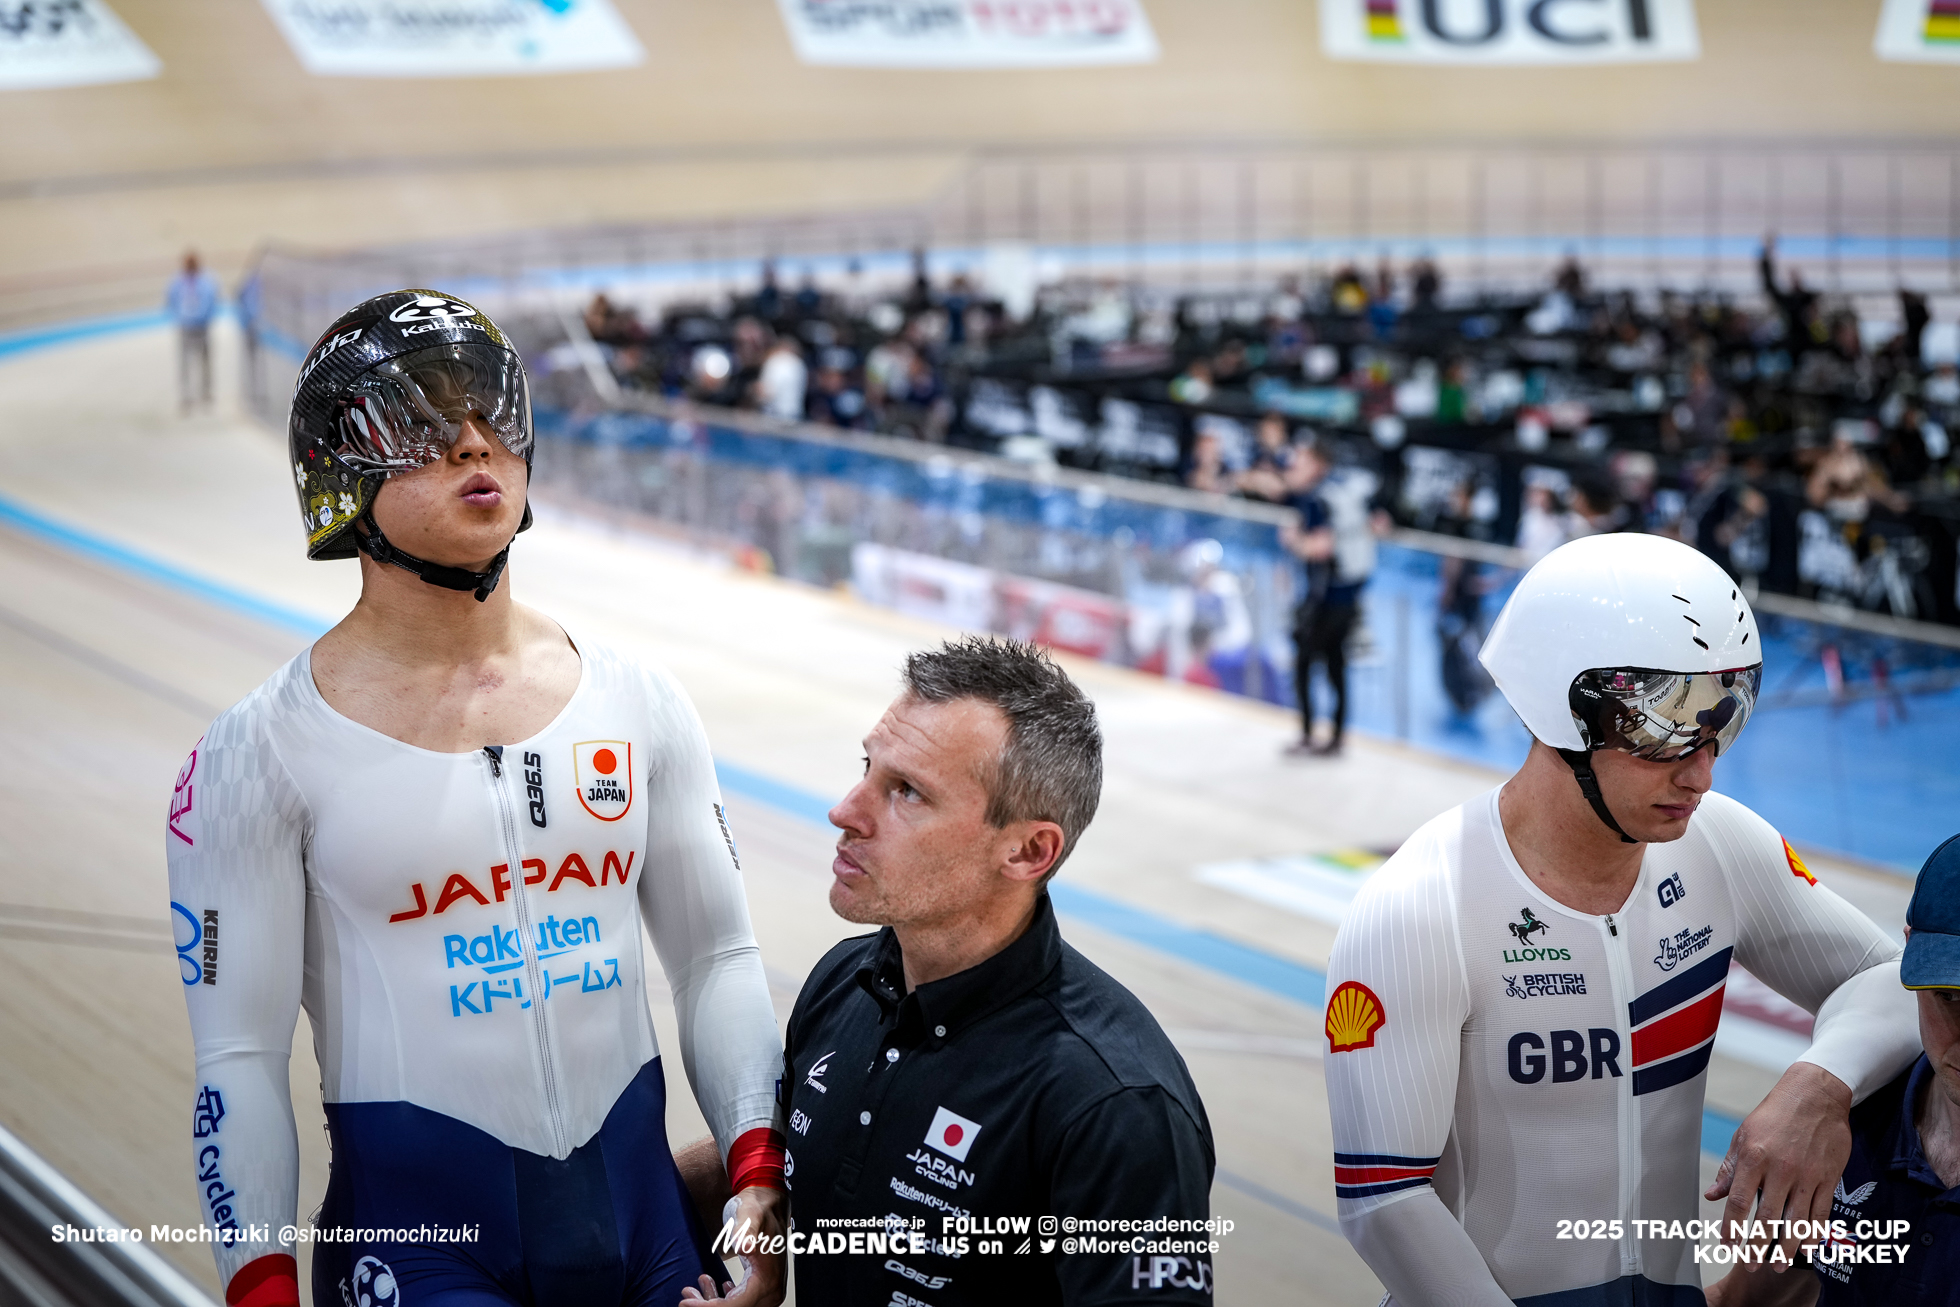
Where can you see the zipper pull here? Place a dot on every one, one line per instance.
(495, 752)
(1611, 929)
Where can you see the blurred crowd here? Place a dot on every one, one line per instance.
(1803, 447)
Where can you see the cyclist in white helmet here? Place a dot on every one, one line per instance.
(441, 831)
(1523, 1000)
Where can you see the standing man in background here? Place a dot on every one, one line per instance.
(191, 302)
(1334, 540)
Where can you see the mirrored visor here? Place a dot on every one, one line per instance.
(407, 412)
(1662, 716)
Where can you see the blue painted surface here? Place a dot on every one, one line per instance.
(63, 333)
(151, 568)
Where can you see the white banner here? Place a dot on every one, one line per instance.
(68, 43)
(1919, 31)
(969, 33)
(1509, 31)
(454, 38)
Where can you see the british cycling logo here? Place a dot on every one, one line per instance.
(1522, 930)
(1684, 944)
(815, 1078)
(1671, 890)
(1545, 985)
(424, 307)
(602, 772)
(373, 1285)
(197, 956)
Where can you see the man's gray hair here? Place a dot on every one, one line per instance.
(1050, 768)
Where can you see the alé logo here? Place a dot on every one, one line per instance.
(1523, 929)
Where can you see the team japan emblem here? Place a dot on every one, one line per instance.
(603, 771)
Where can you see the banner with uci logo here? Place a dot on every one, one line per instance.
(969, 33)
(68, 43)
(1919, 31)
(1508, 32)
(454, 38)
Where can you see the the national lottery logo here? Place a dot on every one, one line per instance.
(952, 1134)
(603, 772)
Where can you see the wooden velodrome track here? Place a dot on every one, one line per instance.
(111, 675)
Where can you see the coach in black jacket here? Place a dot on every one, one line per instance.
(976, 1113)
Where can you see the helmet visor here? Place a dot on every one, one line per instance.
(1663, 716)
(408, 412)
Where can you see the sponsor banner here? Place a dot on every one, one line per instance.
(68, 43)
(969, 33)
(1509, 31)
(454, 38)
(977, 599)
(1919, 31)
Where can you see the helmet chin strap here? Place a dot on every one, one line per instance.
(375, 545)
(1580, 761)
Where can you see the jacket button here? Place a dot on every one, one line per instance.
(864, 1118)
(939, 1031)
(891, 1055)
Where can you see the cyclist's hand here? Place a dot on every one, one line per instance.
(1791, 1150)
(765, 1277)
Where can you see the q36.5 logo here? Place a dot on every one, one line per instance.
(424, 307)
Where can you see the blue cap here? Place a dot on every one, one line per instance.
(1932, 959)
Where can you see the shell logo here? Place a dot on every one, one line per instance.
(1797, 868)
(1354, 1014)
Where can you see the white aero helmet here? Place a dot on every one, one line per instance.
(1630, 642)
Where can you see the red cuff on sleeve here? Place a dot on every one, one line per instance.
(268, 1281)
(756, 1159)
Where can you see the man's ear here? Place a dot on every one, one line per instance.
(1035, 847)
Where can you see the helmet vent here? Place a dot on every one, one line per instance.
(1686, 618)
(1745, 637)
(1698, 640)
(1682, 600)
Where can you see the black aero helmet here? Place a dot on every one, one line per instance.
(387, 389)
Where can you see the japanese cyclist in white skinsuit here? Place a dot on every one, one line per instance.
(1523, 1000)
(441, 831)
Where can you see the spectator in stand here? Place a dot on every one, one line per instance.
(1570, 280)
(1425, 285)
(836, 401)
(1542, 525)
(1272, 453)
(784, 378)
(191, 302)
(1797, 306)
(1206, 470)
(1194, 384)
(1348, 293)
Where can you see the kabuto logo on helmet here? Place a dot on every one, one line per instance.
(424, 307)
